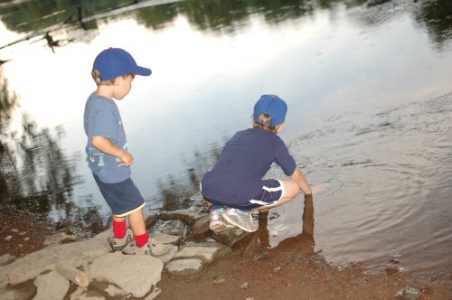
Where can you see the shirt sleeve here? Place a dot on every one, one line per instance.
(285, 160)
(102, 123)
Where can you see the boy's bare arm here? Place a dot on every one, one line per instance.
(105, 145)
(299, 178)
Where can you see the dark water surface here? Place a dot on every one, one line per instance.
(370, 108)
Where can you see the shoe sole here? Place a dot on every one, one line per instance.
(236, 224)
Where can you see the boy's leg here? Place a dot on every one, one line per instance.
(120, 237)
(119, 227)
(136, 222)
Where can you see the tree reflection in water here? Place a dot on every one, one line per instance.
(215, 16)
(35, 174)
(175, 193)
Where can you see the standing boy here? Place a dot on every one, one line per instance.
(235, 186)
(113, 71)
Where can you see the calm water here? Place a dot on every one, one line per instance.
(370, 110)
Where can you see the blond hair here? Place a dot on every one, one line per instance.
(263, 121)
(95, 74)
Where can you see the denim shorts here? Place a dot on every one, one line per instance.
(122, 197)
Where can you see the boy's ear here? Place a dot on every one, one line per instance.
(280, 127)
(116, 81)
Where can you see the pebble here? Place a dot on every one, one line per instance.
(245, 285)
(26, 239)
(277, 269)
(8, 238)
(408, 294)
(218, 279)
(15, 230)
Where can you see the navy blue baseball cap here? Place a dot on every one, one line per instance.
(115, 62)
(272, 106)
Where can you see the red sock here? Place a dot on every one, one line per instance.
(141, 240)
(119, 229)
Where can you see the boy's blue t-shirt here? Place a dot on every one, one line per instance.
(102, 118)
(246, 158)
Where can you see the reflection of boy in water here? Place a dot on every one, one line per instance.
(113, 71)
(302, 243)
(235, 186)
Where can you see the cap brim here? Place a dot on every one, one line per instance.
(142, 71)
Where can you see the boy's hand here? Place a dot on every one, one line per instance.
(126, 159)
(106, 146)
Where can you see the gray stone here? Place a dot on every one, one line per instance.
(171, 227)
(168, 256)
(90, 297)
(51, 286)
(153, 294)
(197, 198)
(113, 290)
(230, 236)
(56, 238)
(185, 267)
(6, 259)
(245, 285)
(26, 292)
(408, 294)
(201, 227)
(206, 251)
(134, 275)
(187, 216)
(33, 264)
(150, 220)
(371, 3)
(164, 238)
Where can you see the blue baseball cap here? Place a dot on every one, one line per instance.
(273, 106)
(115, 62)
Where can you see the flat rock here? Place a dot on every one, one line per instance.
(168, 256)
(206, 251)
(15, 293)
(408, 294)
(51, 286)
(185, 267)
(58, 238)
(230, 236)
(201, 227)
(134, 275)
(170, 227)
(188, 216)
(33, 264)
(6, 259)
(164, 238)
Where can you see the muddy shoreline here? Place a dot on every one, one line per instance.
(253, 270)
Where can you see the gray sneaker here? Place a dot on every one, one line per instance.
(117, 244)
(241, 218)
(217, 222)
(152, 248)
